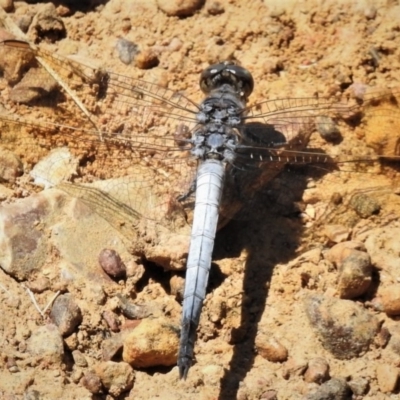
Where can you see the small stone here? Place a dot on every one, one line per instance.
(12, 365)
(10, 166)
(39, 285)
(91, 382)
(179, 8)
(390, 299)
(317, 371)
(334, 389)
(7, 5)
(364, 205)
(215, 8)
(270, 348)
(146, 59)
(337, 253)
(66, 314)
(116, 377)
(359, 386)
(269, 395)
(111, 346)
(336, 233)
(112, 320)
(294, 367)
(387, 377)
(46, 341)
(76, 375)
(355, 275)
(79, 359)
(344, 328)
(32, 394)
(327, 129)
(127, 50)
(383, 337)
(153, 342)
(111, 263)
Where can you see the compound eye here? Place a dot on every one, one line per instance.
(227, 73)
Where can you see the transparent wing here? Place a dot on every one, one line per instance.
(121, 132)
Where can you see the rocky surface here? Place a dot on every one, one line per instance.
(303, 300)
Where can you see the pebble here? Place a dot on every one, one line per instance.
(344, 328)
(116, 377)
(79, 359)
(153, 342)
(39, 285)
(10, 166)
(294, 367)
(179, 8)
(131, 310)
(336, 233)
(111, 263)
(334, 389)
(215, 7)
(327, 129)
(364, 205)
(7, 5)
(66, 314)
(387, 377)
(390, 299)
(337, 253)
(359, 386)
(317, 371)
(91, 382)
(270, 348)
(32, 394)
(127, 50)
(147, 59)
(269, 395)
(112, 320)
(46, 341)
(355, 275)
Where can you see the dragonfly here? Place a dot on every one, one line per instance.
(157, 151)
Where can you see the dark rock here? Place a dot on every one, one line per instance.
(111, 263)
(66, 314)
(355, 275)
(334, 389)
(91, 382)
(344, 328)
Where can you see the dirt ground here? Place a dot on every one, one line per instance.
(264, 267)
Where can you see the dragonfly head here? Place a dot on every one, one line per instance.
(227, 73)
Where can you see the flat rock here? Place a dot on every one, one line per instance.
(343, 327)
(387, 376)
(46, 341)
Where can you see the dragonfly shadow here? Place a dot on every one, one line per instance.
(269, 231)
